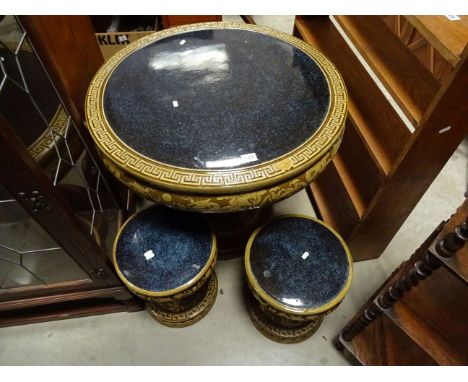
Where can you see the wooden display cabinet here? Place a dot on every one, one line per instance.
(56, 226)
(388, 159)
(70, 219)
(418, 316)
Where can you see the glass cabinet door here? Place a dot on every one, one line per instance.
(57, 230)
(29, 256)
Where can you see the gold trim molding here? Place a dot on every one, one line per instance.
(227, 202)
(292, 313)
(181, 291)
(216, 182)
(188, 317)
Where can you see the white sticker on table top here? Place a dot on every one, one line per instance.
(305, 255)
(453, 17)
(149, 254)
(175, 103)
(182, 42)
(247, 158)
(122, 38)
(232, 162)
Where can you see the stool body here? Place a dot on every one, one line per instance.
(298, 270)
(166, 257)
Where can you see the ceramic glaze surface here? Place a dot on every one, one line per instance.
(299, 263)
(161, 249)
(220, 98)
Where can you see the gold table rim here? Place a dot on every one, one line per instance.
(169, 292)
(283, 308)
(216, 181)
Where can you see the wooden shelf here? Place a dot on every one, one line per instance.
(447, 36)
(419, 46)
(457, 264)
(411, 85)
(422, 334)
(384, 167)
(422, 324)
(445, 294)
(361, 176)
(380, 344)
(333, 201)
(378, 124)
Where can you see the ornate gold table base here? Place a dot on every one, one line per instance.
(233, 217)
(233, 229)
(181, 312)
(277, 326)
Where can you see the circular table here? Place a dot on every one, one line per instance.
(167, 258)
(217, 117)
(298, 269)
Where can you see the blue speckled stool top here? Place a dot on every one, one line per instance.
(298, 265)
(161, 250)
(209, 97)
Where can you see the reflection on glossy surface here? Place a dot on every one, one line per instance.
(215, 98)
(161, 249)
(292, 301)
(210, 61)
(299, 263)
(28, 254)
(16, 105)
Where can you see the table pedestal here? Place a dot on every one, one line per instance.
(233, 229)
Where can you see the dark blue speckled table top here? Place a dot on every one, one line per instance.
(161, 249)
(219, 98)
(299, 263)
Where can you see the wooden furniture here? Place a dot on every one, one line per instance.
(298, 270)
(419, 315)
(248, 19)
(55, 258)
(167, 258)
(388, 159)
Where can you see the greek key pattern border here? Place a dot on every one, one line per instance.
(46, 142)
(277, 333)
(177, 178)
(191, 316)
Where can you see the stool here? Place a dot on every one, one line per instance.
(298, 269)
(166, 257)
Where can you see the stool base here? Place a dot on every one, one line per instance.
(190, 316)
(277, 333)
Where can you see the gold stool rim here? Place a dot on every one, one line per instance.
(170, 292)
(283, 308)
